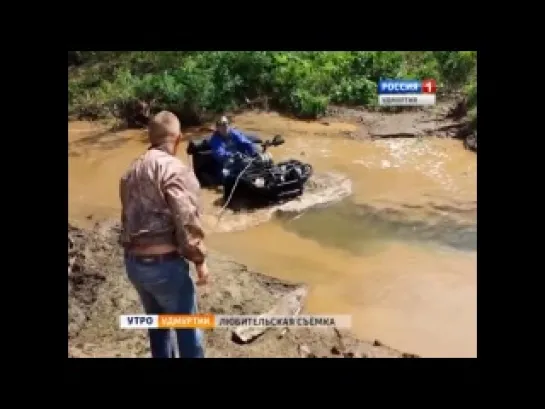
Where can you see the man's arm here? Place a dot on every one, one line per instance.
(243, 142)
(218, 149)
(181, 192)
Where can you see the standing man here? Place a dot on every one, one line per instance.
(161, 232)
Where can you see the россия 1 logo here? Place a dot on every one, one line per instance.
(406, 92)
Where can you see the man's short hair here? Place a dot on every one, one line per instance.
(163, 127)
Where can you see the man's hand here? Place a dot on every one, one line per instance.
(202, 273)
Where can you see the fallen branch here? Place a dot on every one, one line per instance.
(340, 339)
(447, 127)
(394, 135)
(289, 305)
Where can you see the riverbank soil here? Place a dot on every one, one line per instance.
(446, 119)
(97, 295)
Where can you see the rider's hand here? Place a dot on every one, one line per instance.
(202, 273)
(265, 156)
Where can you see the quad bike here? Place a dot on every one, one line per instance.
(256, 179)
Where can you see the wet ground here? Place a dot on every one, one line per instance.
(98, 291)
(398, 253)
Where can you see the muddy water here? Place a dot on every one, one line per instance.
(399, 254)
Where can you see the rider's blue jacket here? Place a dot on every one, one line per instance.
(223, 148)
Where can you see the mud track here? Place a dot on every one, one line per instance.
(98, 293)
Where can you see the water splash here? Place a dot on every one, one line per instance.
(322, 190)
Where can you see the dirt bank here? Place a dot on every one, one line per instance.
(447, 119)
(98, 293)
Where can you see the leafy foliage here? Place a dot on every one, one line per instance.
(302, 82)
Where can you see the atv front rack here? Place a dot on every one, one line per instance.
(280, 181)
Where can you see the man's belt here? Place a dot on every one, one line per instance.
(153, 258)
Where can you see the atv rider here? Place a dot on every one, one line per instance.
(226, 142)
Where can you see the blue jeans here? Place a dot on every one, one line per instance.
(167, 288)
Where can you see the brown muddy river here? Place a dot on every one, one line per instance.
(399, 254)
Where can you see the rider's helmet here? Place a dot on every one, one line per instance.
(222, 126)
(223, 121)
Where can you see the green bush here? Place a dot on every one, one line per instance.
(302, 83)
(456, 68)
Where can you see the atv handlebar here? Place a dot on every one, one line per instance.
(277, 140)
